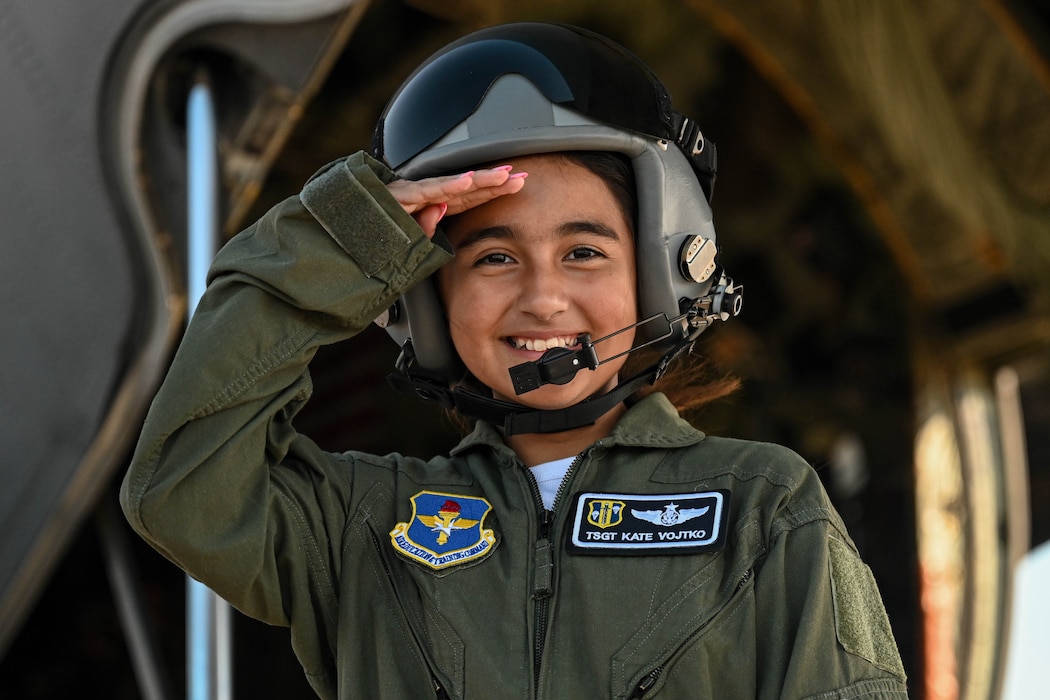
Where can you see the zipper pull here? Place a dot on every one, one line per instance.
(544, 559)
(646, 683)
(546, 518)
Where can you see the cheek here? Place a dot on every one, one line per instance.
(450, 292)
(471, 311)
(613, 307)
(456, 292)
(449, 301)
(621, 298)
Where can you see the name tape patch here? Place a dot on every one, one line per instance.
(621, 523)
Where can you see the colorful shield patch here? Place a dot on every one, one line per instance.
(446, 529)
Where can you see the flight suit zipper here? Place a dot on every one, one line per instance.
(439, 691)
(542, 589)
(646, 684)
(543, 580)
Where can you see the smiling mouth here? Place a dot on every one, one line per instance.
(543, 344)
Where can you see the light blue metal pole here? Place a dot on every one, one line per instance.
(208, 617)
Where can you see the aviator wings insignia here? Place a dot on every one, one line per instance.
(670, 515)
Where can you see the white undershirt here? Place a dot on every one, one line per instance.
(549, 476)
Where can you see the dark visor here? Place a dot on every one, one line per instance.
(571, 67)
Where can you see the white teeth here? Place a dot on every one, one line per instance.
(543, 344)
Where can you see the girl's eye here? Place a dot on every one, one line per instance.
(583, 253)
(494, 259)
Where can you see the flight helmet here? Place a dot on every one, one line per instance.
(532, 88)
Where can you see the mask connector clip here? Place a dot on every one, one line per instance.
(557, 366)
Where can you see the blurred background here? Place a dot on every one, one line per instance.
(883, 195)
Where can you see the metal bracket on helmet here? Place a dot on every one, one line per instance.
(725, 301)
(700, 152)
(697, 260)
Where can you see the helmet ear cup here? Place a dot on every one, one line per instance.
(419, 317)
(672, 211)
(429, 326)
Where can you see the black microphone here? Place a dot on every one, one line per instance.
(560, 365)
(556, 366)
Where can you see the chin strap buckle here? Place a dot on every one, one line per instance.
(407, 380)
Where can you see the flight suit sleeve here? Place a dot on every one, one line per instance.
(826, 632)
(220, 482)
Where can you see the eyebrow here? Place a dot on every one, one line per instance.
(568, 228)
(595, 227)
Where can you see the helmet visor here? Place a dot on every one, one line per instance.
(571, 67)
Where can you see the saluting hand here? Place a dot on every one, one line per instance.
(430, 199)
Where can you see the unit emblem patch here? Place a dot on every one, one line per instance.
(446, 529)
(618, 523)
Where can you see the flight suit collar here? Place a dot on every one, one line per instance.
(650, 422)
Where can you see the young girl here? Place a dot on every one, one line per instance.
(583, 540)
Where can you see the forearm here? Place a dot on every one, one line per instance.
(220, 480)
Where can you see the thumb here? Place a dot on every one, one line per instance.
(429, 216)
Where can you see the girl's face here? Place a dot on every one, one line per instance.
(537, 269)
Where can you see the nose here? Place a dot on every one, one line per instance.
(544, 293)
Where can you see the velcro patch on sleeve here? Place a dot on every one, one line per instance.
(657, 524)
(861, 623)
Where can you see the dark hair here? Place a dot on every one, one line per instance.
(690, 382)
(616, 171)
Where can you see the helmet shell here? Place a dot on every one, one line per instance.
(533, 88)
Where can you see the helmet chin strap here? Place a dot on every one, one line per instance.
(560, 365)
(516, 419)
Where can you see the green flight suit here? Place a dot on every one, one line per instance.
(333, 546)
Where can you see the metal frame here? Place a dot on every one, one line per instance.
(209, 634)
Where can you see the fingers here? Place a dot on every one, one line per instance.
(457, 192)
(487, 185)
(428, 217)
(414, 195)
